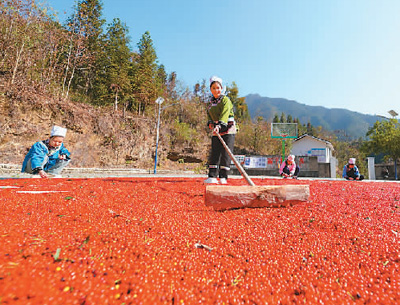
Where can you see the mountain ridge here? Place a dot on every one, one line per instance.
(339, 120)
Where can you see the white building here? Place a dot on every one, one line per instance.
(306, 145)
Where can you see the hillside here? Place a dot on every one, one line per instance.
(350, 123)
(97, 137)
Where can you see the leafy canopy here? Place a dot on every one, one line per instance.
(384, 137)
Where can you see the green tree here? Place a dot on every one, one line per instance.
(384, 137)
(171, 86)
(310, 130)
(260, 135)
(87, 23)
(161, 80)
(113, 81)
(145, 78)
(202, 92)
(182, 133)
(276, 118)
(283, 118)
(239, 103)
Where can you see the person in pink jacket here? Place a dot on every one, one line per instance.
(289, 168)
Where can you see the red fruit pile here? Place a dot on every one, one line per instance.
(133, 241)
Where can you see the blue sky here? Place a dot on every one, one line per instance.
(330, 53)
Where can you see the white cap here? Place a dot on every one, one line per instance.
(58, 131)
(291, 157)
(215, 79)
(352, 161)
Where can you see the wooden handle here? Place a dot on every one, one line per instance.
(238, 166)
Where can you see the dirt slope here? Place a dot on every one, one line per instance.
(97, 137)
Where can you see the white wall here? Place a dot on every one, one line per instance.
(305, 145)
(334, 165)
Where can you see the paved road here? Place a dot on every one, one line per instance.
(14, 171)
(8, 171)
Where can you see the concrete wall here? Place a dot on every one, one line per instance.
(379, 171)
(324, 170)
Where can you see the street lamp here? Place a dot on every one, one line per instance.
(159, 101)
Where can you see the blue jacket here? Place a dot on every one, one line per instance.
(355, 168)
(38, 153)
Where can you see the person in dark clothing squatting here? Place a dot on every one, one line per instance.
(350, 171)
(221, 120)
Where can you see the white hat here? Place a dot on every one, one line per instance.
(291, 157)
(58, 131)
(215, 79)
(352, 161)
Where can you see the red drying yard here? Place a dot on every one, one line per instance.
(133, 241)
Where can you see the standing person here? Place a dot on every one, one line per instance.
(221, 120)
(350, 171)
(289, 168)
(48, 157)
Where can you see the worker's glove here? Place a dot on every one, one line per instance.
(223, 126)
(217, 129)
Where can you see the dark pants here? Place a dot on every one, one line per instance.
(287, 171)
(352, 174)
(219, 158)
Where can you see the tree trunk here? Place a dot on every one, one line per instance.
(17, 62)
(70, 81)
(6, 39)
(67, 68)
(116, 101)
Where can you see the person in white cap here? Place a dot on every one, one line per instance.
(221, 120)
(289, 168)
(350, 171)
(48, 157)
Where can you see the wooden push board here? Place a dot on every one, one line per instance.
(233, 197)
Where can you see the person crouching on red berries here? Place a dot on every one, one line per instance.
(289, 168)
(49, 157)
(350, 171)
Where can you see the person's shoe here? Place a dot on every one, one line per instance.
(211, 180)
(223, 181)
(294, 177)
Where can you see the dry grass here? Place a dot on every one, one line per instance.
(97, 137)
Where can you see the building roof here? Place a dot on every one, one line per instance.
(329, 144)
